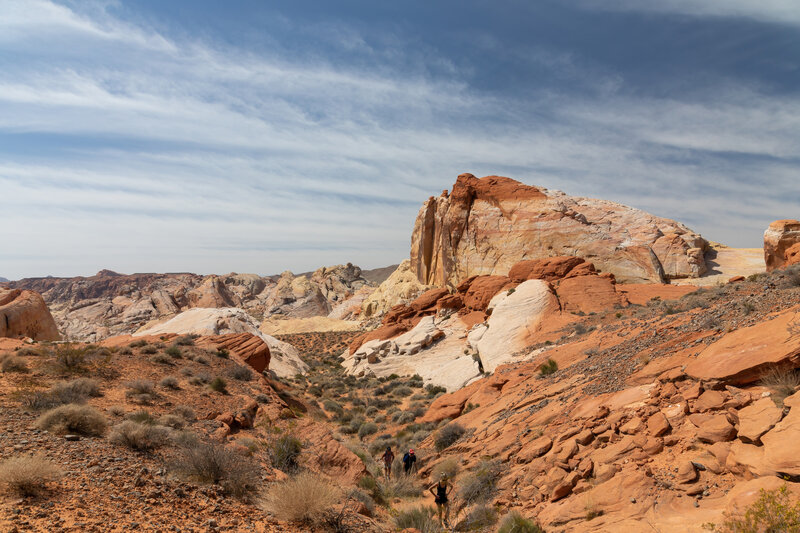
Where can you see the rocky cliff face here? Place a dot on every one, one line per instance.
(782, 244)
(24, 314)
(95, 307)
(485, 226)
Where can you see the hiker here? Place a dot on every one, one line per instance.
(441, 490)
(408, 461)
(388, 459)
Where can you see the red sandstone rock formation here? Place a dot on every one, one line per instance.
(24, 314)
(487, 225)
(782, 244)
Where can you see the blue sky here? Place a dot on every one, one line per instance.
(251, 136)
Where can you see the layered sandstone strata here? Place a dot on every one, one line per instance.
(782, 244)
(485, 226)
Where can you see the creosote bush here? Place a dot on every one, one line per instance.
(514, 522)
(306, 498)
(70, 357)
(284, 452)
(215, 464)
(772, 511)
(174, 352)
(240, 373)
(448, 435)
(139, 437)
(28, 475)
(218, 385)
(71, 418)
(548, 367)
(169, 382)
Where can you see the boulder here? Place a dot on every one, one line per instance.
(757, 419)
(715, 428)
(782, 236)
(687, 473)
(780, 443)
(24, 314)
(485, 226)
(658, 424)
(743, 356)
(248, 348)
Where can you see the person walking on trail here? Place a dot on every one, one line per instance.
(409, 460)
(388, 459)
(441, 490)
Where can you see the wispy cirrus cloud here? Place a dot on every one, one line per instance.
(141, 149)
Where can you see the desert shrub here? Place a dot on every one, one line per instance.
(71, 418)
(69, 357)
(28, 475)
(305, 498)
(141, 417)
(373, 488)
(369, 428)
(403, 417)
(29, 352)
(433, 390)
(480, 485)
(448, 435)
(139, 437)
(240, 373)
(174, 352)
(172, 421)
(219, 385)
(478, 518)
(782, 382)
(202, 360)
(514, 522)
(449, 466)
(149, 349)
(284, 452)
(421, 518)
(214, 464)
(161, 359)
(141, 343)
(116, 410)
(402, 391)
(186, 371)
(169, 382)
(548, 367)
(79, 387)
(401, 486)
(262, 398)
(772, 511)
(141, 391)
(125, 350)
(185, 340)
(185, 412)
(222, 353)
(747, 307)
(12, 363)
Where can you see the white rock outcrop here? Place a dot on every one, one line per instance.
(285, 359)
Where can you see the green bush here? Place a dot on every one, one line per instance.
(773, 511)
(284, 452)
(514, 522)
(448, 435)
(70, 357)
(548, 367)
(219, 385)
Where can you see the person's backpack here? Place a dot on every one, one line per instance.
(406, 458)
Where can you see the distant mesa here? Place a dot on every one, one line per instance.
(485, 226)
(2, 279)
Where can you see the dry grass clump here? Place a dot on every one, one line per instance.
(284, 452)
(169, 382)
(12, 363)
(240, 373)
(139, 437)
(420, 518)
(75, 391)
(449, 467)
(71, 418)
(28, 475)
(448, 435)
(214, 464)
(85, 387)
(141, 391)
(305, 498)
(218, 385)
(172, 421)
(514, 522)
(782, 382)
(70, 358)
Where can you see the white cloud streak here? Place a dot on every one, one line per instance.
(156, 154)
